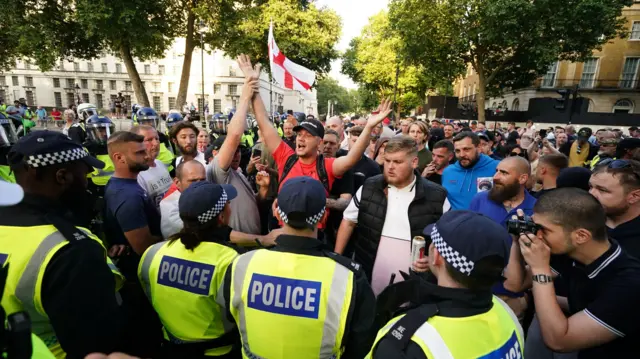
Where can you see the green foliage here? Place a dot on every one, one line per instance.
(329, 89)
(305, 33)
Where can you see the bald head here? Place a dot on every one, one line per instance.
(189, 172)
(517, 164)
(336, 124)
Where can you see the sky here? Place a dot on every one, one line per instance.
(355, 15)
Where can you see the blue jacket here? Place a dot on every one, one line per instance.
(462, 183)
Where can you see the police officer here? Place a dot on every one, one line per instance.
(183, 276)
(218, 125)
(300, 300)
(8, 137)
(78, 131)
(58, 273)
(458, 317)
(99, 129)
(148, 116)
(21, 125)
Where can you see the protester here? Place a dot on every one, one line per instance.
(366, 167)
(184, 136)
(443, 154)
(187, 173)
(203, 140)
(336, 124)
(449, 132)
(472, 173)
(420, 133)
(156, 180)
(580, 151)
(548, 171)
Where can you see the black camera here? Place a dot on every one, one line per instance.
(519, 226)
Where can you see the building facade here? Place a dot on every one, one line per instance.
(99, 81)
(609, 80)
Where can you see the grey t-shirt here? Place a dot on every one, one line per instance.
(244, 208)
(155, 181)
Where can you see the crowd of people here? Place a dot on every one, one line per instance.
(301, 237)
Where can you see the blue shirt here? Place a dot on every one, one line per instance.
(496, 211)
(462, 183)
(128, 207)
(41, 113)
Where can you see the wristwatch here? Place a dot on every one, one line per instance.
(542, 278)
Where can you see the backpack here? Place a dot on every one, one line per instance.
(320, 169)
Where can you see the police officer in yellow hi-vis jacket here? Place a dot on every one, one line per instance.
(299, 300)
(183, 277)
(458, 317)
(59, 273)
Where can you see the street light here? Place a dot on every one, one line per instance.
(280, 99)
(77, 91)
(202, 30)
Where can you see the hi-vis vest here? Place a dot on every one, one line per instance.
(496, 334)
(247, 139)
(29, 250)
(185, 288)
(290, 305)
(100, 177)
(6, 174)
(166, 156)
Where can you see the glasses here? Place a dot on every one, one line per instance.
(514, 154)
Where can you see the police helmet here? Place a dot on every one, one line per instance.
(147, 116)
(173, 118)
(86, 110)
(218, 123)
(8, 133)
(99, 129)
(135, 108)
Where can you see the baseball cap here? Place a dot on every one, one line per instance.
(302, 202)
(204, 200)
(217, 143)
(45, 148)
(313, 126)
(577, 177)
(11, 193)
(465, 238)
(585, 132)
(627, 144)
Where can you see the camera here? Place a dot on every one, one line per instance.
(519, 226)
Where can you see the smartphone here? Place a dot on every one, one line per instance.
(257, 153)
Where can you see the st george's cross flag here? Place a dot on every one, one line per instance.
(287, 73)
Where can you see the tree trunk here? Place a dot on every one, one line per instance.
(134, 76)
(189, 45)
(480, 99)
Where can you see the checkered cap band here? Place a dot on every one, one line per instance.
(48, 159)
(453, 257)
(215, 211)
(313, 220)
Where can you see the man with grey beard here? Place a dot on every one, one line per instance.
(508, 195)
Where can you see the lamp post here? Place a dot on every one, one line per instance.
(202, 30)
(280, 99)
(77, 91)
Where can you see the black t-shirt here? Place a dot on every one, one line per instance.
(628, 236)
(537, 195)
(340, 186)
(364, 168)
(435, 178)
(608, 291)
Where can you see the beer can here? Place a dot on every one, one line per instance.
(418, 245)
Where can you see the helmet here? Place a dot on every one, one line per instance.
(218, 123)
(135, 108)
(172, 119)
(8, 134)
(147, 116)
(86, 110)
(99, 128)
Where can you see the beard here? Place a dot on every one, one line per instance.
(502, 192)
(472, 161)
(193, 151)
(616, 211)
(138, 167)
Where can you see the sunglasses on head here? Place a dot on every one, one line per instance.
(513, 154)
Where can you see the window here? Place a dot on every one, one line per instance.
(58, 99)
(216, 88)
(27, 65)
(623, 106)
(629, 72)
(28, 81)
(127, 85)
(89, 67)
(30, 100)
(232, 71)
(157, 103)
(3, 81)
(127, 101)
(147, 69)
(589, 73)
(112, 85)
(170, 86)
(515, 106)
(76, 66)
(217, 105)
(234, 103)
(233, 90)
(84, 83)
(85, 98)
(160, 69)
(156, 86)
(71, 83)
(118, 68)
(70, 98)
(99, 86)
(635, 31)
(56, 82)
(172, 103)
(99, 103)
(105, 67)
(14, 81)
(504, 105)
(200, 104)
(549, 79)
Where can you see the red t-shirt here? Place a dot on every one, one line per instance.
(57, 115)
(171, 189)
(283, 152)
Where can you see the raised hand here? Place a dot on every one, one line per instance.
(249, 71)
(384, 109)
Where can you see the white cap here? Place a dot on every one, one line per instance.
(10, 193)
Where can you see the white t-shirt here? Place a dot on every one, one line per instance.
(199, 158)
(155, 181)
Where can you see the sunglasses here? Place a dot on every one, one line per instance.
(514, 154)
(619, 164)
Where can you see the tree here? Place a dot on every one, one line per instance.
(373, 58)
(509, 43)
(329, 89)
(131, 29)
(305, 33)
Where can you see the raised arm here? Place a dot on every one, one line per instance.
(344, 163)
